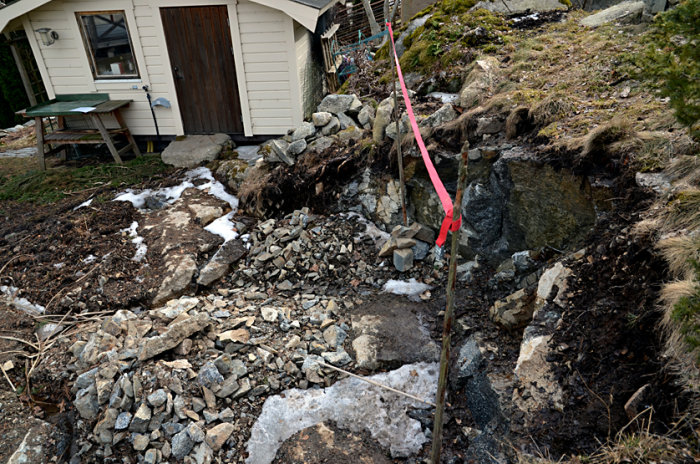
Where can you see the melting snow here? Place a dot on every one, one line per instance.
(21, 304)
(90, 259)
(222, 226)
(352, 404)
(444, 97)
(409, 287)
(137, 240)
(83, 204)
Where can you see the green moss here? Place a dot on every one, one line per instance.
(455, 6)
(566, 3)
(344, 88)
(550, 131)
(55, 184)
(448, 34)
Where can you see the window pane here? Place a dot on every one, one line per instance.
(107, 38)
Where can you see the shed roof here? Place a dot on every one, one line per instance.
(305, 12)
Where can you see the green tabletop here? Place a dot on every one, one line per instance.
(65, 105)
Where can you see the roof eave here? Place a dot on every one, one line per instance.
(17, 9)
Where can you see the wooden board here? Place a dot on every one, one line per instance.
(202, 63)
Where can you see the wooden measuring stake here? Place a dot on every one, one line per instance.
(449, 313)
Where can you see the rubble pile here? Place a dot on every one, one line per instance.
(186, 380)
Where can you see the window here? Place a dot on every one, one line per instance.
(109, 48)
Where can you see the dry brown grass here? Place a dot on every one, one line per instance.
(551, 109)
(600, 140)
(678, 251)
(683, 361)
(685, 169)
(252, 190)
(643, 448)
(517, 120)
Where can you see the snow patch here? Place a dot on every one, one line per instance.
(89, 259)
(83, 204)
(21, 304)
(137, 240)
(222, 226)
(444, 97)
(352, 404)
(409, 287)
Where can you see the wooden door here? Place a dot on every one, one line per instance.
(201, 60)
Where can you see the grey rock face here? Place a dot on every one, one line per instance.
(306, 130)
(175, 334)
(627, 12)
(366, 116)
(445, 114)
(181, 444)
(321, 118)
(86, 403)
(346, 121)
(340, 104)
(180, 270)
(332, 127)
(297, 147)
(227, 254)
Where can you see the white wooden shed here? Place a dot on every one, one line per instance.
(235, 66)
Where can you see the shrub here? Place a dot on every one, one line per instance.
(673, 59)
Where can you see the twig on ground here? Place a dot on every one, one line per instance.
(7, 377)
(4, 337)
(376, 384)
(599, 399)
(10, 260)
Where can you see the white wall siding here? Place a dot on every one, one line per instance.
(267, 45)
(69, 70)
(265, 41)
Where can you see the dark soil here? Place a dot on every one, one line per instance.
(328, 443)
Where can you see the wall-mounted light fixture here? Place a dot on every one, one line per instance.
(48, 36)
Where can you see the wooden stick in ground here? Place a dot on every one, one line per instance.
(399, 154)
(376, 384)
(449, 314)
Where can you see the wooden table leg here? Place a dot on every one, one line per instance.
(106, 137)
(62, 125)
(39, 130)
(129, 137)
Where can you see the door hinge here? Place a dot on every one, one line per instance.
(228, 22)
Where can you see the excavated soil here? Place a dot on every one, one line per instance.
(608, 346)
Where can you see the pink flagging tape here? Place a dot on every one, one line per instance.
(447, 223)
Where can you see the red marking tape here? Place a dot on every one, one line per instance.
(447, 223)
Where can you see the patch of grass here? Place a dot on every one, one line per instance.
(684, 211)
(686, 313)
(55, 184)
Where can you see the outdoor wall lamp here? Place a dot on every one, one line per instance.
(48, 36)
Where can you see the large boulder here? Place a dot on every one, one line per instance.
(195, 149)
(626, 12)
(336, 104)
(481, 78)
(382, 119)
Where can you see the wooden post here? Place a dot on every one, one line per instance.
(449, 313)
(24, 76)
(399, 154)
(39, 130)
